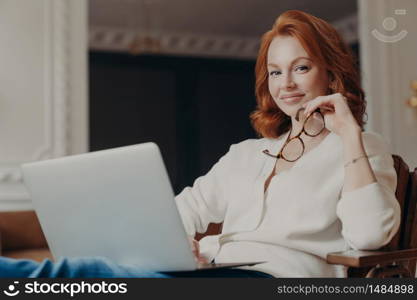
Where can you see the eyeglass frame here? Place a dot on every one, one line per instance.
(279, 155)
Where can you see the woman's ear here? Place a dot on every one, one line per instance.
(330, 76)
(332, 83)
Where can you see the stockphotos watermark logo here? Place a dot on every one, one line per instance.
(12, 289)
(72, 288)
(390, 24)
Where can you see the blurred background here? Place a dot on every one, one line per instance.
(81, 76)
(181, 73)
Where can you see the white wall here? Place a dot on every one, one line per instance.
(43, 87)
(387, 70)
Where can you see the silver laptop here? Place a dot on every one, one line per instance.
(115, 203)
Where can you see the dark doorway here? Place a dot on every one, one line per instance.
(193, 108)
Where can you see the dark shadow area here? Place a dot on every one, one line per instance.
(193, 108)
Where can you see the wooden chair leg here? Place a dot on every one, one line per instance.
(389, 271)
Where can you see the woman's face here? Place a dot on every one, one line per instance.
(293, 78)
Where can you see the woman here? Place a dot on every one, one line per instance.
(314, 184)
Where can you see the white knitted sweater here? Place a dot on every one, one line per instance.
(303, 215)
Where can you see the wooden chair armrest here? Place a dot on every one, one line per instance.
(21, 230)
(369, 258)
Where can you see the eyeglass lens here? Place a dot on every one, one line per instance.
(313, 126)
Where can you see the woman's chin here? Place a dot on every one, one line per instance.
(292, 111)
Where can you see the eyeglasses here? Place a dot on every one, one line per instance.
(294, 147)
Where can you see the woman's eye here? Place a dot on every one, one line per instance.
(301, 68)
(274, 73)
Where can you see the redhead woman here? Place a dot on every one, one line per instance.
(312, 183)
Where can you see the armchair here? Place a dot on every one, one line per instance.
(21, 236)
(399, 257)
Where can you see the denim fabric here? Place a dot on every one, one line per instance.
(99, 267)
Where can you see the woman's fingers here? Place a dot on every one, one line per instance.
(195, 247)
(202, 260)
(328, 103)
(317, 102)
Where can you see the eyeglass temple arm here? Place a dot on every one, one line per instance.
(269, 154)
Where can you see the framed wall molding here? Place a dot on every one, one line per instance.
(49, 127)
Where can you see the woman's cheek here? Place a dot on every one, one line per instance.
(273, 89)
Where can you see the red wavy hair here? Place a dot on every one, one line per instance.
(326, 48)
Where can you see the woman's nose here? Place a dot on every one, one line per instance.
(287, 82)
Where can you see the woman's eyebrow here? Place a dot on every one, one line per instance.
(294, 60)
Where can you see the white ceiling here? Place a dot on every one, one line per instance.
(230, 17)
(246, 19)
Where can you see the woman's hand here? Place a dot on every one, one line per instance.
(195, 247)
(337, 114)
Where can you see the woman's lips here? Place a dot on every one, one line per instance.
(293, 100)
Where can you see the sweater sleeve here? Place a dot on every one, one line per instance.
(371, 215)
(204, 202)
